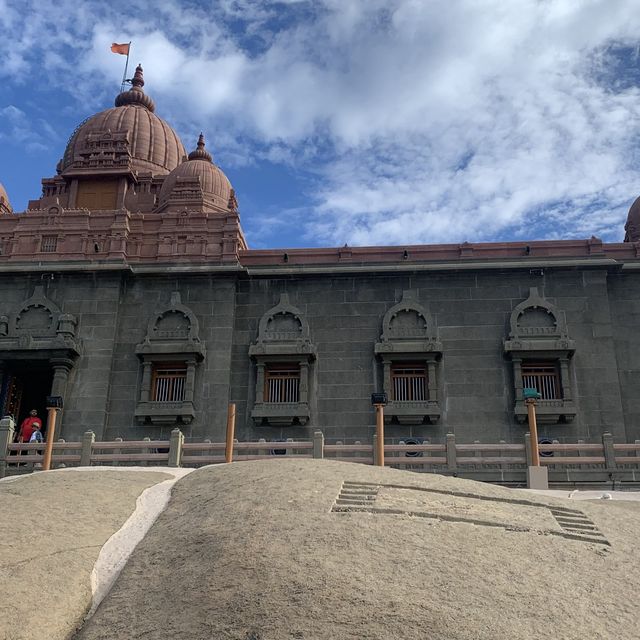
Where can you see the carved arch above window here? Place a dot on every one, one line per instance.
(541, 349)
(409, 350)
(172, 344)
(537, 325)
(283, 353)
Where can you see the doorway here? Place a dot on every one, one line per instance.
(25, 386)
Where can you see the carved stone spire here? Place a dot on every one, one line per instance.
(136, 95)
(233, 201)
(200, 152)
(138, 78)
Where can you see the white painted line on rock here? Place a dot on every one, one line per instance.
(116, 551)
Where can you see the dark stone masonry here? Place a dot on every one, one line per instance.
(128, 288)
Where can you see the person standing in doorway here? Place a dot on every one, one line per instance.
(36, 436)
(28, 426)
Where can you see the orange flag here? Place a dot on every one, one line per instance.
(122, 49)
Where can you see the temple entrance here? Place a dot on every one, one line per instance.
(25, 386)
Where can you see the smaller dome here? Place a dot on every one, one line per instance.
(200, 152)
(5, 205)
(632, 227)
(216, 188)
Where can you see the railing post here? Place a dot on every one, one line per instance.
(7, 430)
(175, 448)
(375, 450)
(527, 449)
(147, 450)
(88, 438)
(61, 465)
(318, 444)
(609, 451)
(117, 452)
(452, 456)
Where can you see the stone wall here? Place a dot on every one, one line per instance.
(471, 310)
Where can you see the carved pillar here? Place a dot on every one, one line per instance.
(260, 383)
(145, 387)
(432, 382)
(73, 194)
(517, 378)
(190, 382)
(304, 381)
(565, 379)
(3, 368)
(61, 368)
(122, 193)
(386, 378)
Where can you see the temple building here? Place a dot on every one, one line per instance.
(128, 288)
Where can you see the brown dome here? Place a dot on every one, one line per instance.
(216, 188)
(153, 144)
(5, 205)
(632, 228)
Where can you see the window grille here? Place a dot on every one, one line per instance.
(282, 384)
(49, 244)
(168, 383)
(544, 378)
(409, 382)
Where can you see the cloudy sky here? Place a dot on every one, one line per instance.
(359, 121)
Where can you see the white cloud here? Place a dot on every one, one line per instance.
(438, 120)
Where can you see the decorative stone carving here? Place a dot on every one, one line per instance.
(538, 332)
(536, 325)
(172, 336)
(409, 335)
(39, 325)
(283, 337)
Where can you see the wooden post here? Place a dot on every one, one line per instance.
(51, 432)
(537, 475)
(231, 427)
(533, 430)
(380, 435)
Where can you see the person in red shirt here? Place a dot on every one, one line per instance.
(28, 426)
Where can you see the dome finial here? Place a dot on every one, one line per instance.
(138, 77)
(136, 94)
(200, 153)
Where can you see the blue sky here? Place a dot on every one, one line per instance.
(359, 121)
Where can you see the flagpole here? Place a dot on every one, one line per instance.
(126, 65)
